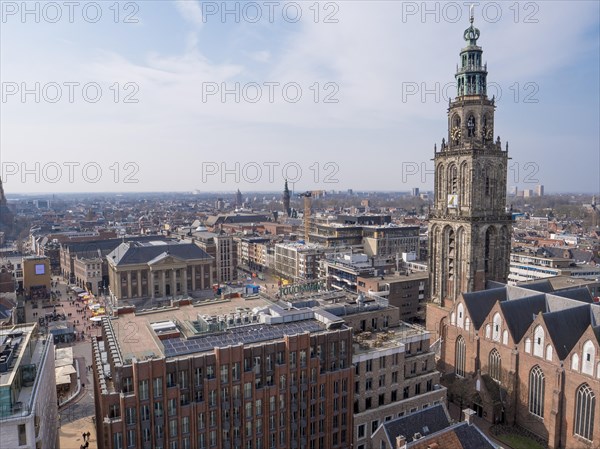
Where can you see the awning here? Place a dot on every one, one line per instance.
(64, 357)
(65, 370)
(62, 380)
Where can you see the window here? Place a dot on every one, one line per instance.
(128, 385)
(374, 426)
(460, 312)
(361, 431)
(495, 365)
(528, 345)
(538, 341)
(589, 356)
(497, 324)
(460, 356)
(575, 362)
(143, 390)
(157, 387)
(505, 337)
(536, 391)
(22, 435)
(549, 353)
(224, 373)
(131, 438)
(585, 409)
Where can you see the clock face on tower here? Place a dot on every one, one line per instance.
(455, 134)
(452, 201)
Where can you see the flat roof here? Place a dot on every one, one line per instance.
(135, 336)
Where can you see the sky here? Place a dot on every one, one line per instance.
(215, 96)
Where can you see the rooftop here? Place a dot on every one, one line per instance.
(176, 331)
(22, 353)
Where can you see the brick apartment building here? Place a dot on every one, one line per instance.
(260, 373)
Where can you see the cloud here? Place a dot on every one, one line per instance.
(261, 56)
(190, 10)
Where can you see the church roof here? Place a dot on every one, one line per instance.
(566, 327)
(581, 294)
(520, 313)
(480, 303)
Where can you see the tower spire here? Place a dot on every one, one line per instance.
(286, 199)
(471, 75)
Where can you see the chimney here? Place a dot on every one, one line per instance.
(400, 442)
(468, 414)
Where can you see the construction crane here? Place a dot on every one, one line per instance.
(307, 204)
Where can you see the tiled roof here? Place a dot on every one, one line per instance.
(135, 253)
(430, 420)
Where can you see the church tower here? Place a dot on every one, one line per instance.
(286, 200)
(469, 227)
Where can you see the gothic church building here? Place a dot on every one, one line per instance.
(528, 355)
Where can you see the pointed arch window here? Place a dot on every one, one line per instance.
(461, 315)
(575, 362)
(495, 365)
(549, 352)
(505, 337)
(538, 341)
(460, 356)
(537, 385)
(585, 411)
(496, 327)
(589, 357)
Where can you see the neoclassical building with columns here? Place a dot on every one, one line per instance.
(158, 269)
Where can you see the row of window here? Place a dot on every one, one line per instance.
(210, 439)
(494, 332)
(585, 401)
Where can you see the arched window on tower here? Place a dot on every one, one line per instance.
(471, 126)
(490, 252)
(440, 183)
(454, 179)
(460, 356)
(585, 412)
(537, 385)
(464, 189)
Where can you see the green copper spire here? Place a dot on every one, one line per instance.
(471, 76)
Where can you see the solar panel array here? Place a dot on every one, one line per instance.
(245, 335)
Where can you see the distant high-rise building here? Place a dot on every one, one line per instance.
(514, 190)
(286, 199)
(238, 199)
(539, 190)
(415, 191)
(527, 193)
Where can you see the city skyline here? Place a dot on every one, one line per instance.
(181, 136)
